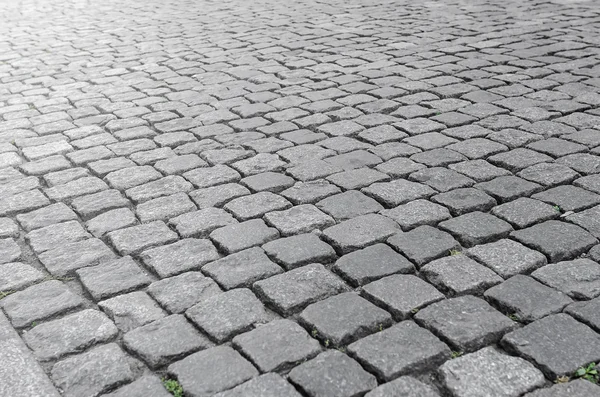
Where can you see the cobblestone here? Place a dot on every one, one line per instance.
(319, 163)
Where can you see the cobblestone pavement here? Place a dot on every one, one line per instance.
(298, 198)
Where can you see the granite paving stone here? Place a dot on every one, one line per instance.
(277, 346)
(466, 323)
(402, 349)
(557, 344)
(332, 374)
(488, 372)
(327, 169)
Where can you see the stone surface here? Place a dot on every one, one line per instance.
(132, 310)
(488, 372)
(402, 349)
(332, 374)
(179, 293)
(213, 370)
(404, 386)
(401, 295)
(176, 258)
(277, 346)
(71, 334)
(557, 240)
(165, 340)
(370, 264)
(292, 291)
(466, 323)
(39, 302)
(268, 385)
(557, 344)
(574, 388)
(526, 298)
(579, 278)
(343, 318)
(225, 315)
(507, 257)
(359, 232)
(93, 372)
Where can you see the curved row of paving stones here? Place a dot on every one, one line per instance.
(299, 198)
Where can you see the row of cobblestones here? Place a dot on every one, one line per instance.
(299, 198)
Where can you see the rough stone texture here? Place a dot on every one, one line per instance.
(401, 295)
(225, 315)
(165, 340)
(574, 388)
(177, 294)
(70, 334)
(39, 302)
(184, 255)
(93, 372)
(332, 374)
(507, 257)
(371, 263)
(467, 323)
(213, 370)
(488, 372)
(402, 349)
(268, 385)
(557, 344)
(579, 278)
(241, 269)
(292, 291)
(132, 310)
(527, 299)
(296, 149)
(20, 375)
(277, 345)
(344, 318)
(404, 386)
(557, 240)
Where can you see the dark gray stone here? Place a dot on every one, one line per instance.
(132, 310)
(488, 372)
(508, 188)
(292, 291)
(179, 257)
(179, 293)
(557, 344)
(579, 278)
(575, 388)
(348, 205)
(507, 257)
(423, 244)
(135, 239)
(332, 374)
(360, 232)
(237, 237)
(588, 312)
(398, 192)
(299, 219)
(557, 240)
(371, 263)
(476, 228)
(404, 386)
(113, 278)
(459, 275)
(526, 298)
(165, 340)
(461, 201)
(402, 349)
(213, 370)
(568, 198)
(146, 386)
(93, 372)
(401, 295)
(71, 334)
(466, 323)
(417, 213)
(241, 269)
(225, 315)
(267, 385)
(39, 302)
(524, 212)
(343, 319)
(277, 346)
(296, 251)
